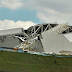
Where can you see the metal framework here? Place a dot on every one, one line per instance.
(33, 32)
(59, 29)
(29, 36)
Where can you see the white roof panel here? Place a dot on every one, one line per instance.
(11, 31)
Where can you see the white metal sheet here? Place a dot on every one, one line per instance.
(11, 31)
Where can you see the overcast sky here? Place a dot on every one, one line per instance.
(25, 13)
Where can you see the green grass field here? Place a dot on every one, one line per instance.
(23, 62)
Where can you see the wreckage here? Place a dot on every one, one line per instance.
(43, 38)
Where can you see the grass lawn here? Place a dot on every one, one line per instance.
(23, 62)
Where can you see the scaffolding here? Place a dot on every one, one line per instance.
(59, 28)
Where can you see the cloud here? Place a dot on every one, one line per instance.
(49, 10)
(58, 5)
(52, 16)
(7, 24)
(11, 4)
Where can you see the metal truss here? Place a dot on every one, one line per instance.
(36, 31)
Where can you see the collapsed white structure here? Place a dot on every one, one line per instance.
(44, 38)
